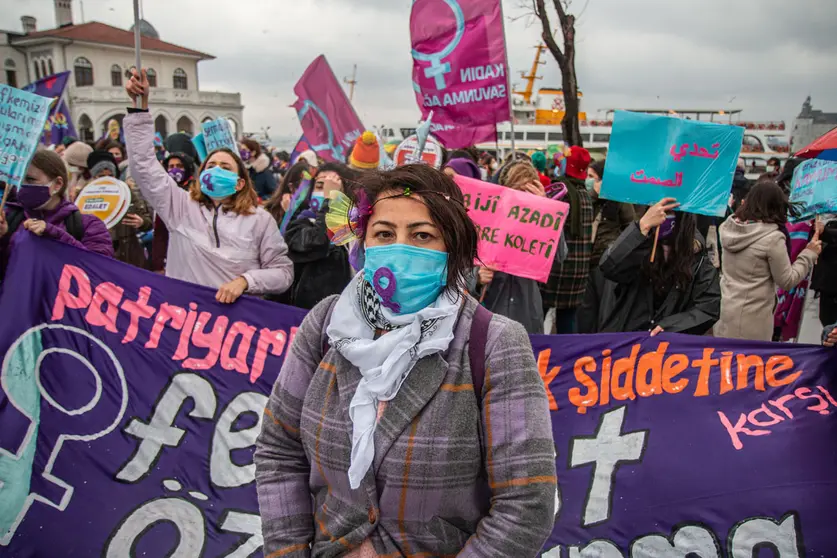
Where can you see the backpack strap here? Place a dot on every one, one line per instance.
(14, 218)
(74, 225)
(476, 349)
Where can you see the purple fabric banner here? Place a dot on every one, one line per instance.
(459, 68)
(328, 120)
(130, 404)
(59, 124)
(682, 446)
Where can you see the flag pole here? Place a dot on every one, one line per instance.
(137, 42)
(508, 75)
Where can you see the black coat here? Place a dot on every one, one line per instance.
(825, 272)
(320, 268)
(620, 298)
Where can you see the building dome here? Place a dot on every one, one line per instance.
(147, 30)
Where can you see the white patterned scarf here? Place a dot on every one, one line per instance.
(385, 362)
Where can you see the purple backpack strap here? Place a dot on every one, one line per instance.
(476, 349)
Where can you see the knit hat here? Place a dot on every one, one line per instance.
(309, 157)
(578, 159)
(366, 153)
(98, 161)
(465, 167)
(181, 143)
(539, 161)
(76, 154)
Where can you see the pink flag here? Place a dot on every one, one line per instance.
(459, 68)
(329, 122)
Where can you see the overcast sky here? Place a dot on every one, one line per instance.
(763, 56)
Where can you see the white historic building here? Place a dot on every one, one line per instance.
(810, 125)
(100, 57)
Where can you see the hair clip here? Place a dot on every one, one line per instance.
(407, 191)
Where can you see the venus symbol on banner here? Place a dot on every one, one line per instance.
(24, 392)
(438, 69)
(336, 150)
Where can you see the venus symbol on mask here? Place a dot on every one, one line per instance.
(386, 290)
(207, 181)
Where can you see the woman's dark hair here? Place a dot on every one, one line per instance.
(467, 153)
(290, 182)
(676, 269)
(766, 202)
(786, 176)
(116, 145)
(598, 167)
(774, 160)
(446, 205)
(253, 146)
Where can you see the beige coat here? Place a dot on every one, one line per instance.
(755, 263)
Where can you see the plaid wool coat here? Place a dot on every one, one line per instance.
(448, 479)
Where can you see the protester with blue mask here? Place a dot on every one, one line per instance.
(219, 236)
(404, 363)
(321, 269)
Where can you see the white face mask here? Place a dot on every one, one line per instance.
(771, 168)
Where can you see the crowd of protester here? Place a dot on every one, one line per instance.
(405, 286)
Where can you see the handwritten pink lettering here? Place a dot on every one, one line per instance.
(65, 299)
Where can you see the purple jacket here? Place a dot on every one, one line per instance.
(96, 237)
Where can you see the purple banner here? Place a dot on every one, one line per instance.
(329, 122)
(130, 404)
(682, 446)
(59, 124)
(459, 68)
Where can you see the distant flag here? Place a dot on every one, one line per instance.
(327, 118)
(59, 124)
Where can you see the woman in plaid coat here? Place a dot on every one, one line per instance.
(387, 433)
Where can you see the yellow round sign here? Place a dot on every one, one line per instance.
(107, 198)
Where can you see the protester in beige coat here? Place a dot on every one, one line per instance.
(756, 261)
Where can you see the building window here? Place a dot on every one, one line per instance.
(184, 125)
(85, 128)
(536, 136)
(152, 77)
(603, 138)
(116, 75)
(83, 71)
(11, 72)
(518, 135)
(556, 136)
(44, 68)
(180, 79)
(51, 67)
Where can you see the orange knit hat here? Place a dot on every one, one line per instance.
(366, 153)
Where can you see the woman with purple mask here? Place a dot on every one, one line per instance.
(258, 165)
(39, 206)
(678, 292)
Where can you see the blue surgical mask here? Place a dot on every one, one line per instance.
(218, 183)
(590, 183)
(406, 278)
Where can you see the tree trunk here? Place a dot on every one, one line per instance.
(566, 62)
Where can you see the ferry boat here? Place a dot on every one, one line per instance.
(538, 116)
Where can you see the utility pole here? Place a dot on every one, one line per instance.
(351, 83)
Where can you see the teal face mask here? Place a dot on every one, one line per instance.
(218, 183)
(590, 183)
(317, 201)
(406, 278)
